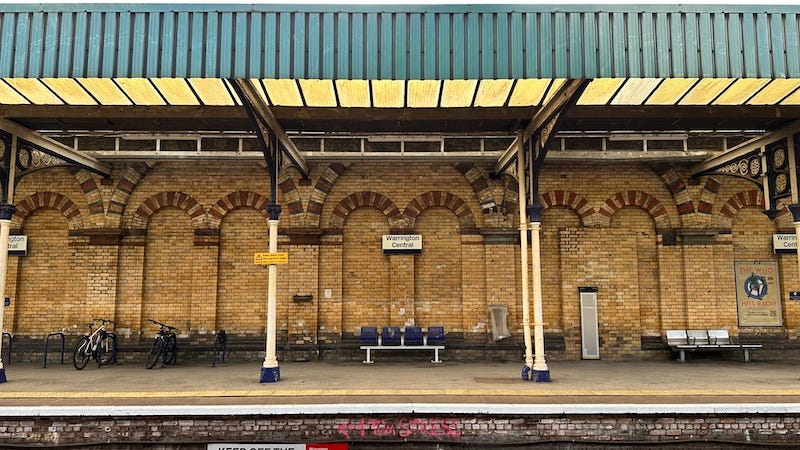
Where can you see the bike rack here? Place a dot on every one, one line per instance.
(113, 337)
(10, 341)
(224, 348)
(47, 341)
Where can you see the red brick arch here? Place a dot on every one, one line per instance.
(572, 201)
(54, 200)
(636, 198)
(165, 199)
(365, 198)
(741, 200)
(445, 199)
(236, 200)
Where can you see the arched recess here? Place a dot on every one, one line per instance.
(365, 198)
(636, 198)
(235, 200)
(447, 200)
(123, 190)
(28, 205)
(366, 278)
(161, 200)
(52, 279)
(557, 219)
(738, 201)
(438, 295)
(573, 201)
(320, 192)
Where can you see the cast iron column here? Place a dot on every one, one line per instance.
(795, 210)
(270, 372)
(540, 370)
(523, 241)
(6, 211)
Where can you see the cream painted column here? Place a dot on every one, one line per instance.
(270, 372)
(523, 240)
(7, 210)
(540, 370)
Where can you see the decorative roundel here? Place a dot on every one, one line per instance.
(779, 157)
(24, 157)
(781, 183)
(755, 167)
(743, 167)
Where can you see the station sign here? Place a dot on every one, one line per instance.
(784, 243)
(394, 244)
(266, 259)
(18, 245)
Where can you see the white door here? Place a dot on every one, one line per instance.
(590, 337)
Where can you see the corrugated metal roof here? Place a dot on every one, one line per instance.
(404, 43)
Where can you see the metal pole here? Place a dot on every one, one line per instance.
(540, 370)
(7, 210)
(270, 372)
(523, 240)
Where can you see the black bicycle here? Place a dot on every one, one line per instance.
(97, 344)
(165, 346)
(220, 347)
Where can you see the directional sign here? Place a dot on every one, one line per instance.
(265, 259)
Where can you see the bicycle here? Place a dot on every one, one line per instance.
(220, 347)
(165, 346)
(97, 345)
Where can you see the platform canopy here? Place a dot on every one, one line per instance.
(420, 69)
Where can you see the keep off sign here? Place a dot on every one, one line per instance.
(266, 259)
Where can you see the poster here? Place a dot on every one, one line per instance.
(758, 298)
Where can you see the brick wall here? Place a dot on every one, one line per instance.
(162, 241)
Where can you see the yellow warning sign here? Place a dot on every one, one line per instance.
(266, 259)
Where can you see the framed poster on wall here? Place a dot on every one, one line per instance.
(758, 298)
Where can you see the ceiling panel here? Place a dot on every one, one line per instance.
(34, 91)
(388, 93)
(283, 92)
(104, 90)
(670, 91)
(529, 92)
(353, 93)
(706, 90)
(775, 91)
(493, 92)
(554, 87)
(318, 93)
(140, 90)
(212, 91)
(740, 91)
(600, 91)
(9, 96)
(793, 99)
(458, 93)
(176, 91)
(69, 90)
(635, 91)
(423, 93)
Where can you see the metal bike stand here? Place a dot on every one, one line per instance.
(113, 337)
(47, 341)
(10, 340)
(224, 348)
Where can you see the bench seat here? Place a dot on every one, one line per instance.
(683, 341)
(391, 338)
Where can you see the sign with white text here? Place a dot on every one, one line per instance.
(402, 243)
(758, 297)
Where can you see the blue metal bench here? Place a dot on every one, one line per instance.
(392, 338)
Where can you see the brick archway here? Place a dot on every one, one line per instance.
(445, 199)
(236, 200)
(29, 204)
(636, 198)
(178, 200)
(573, 201)
(365, 198)
(741, 200)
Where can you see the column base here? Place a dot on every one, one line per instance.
(3, 375)
(270, 374)
(541, 376)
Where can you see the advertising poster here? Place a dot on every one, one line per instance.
(758, 294)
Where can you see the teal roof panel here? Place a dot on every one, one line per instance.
(398, 42)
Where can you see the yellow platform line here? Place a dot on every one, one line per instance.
(517, 393)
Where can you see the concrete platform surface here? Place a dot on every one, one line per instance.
(418, 382)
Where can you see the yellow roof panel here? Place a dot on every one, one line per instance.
(104, 90)
(423, 93)
(458, 93)
(9, 96)
(706, 90)
(353, 93)
(600, 91)
(775, 91)
(529, 92)
(318, 93)
(740, 91)
(212, 91)
(388, 93)
(635, 91)
(554, 87)
(34, 90)
(176, 91)
(69, 90)
(140, 91)
(792, 99)
(283, 92)
(670, 91)
(493, 92)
